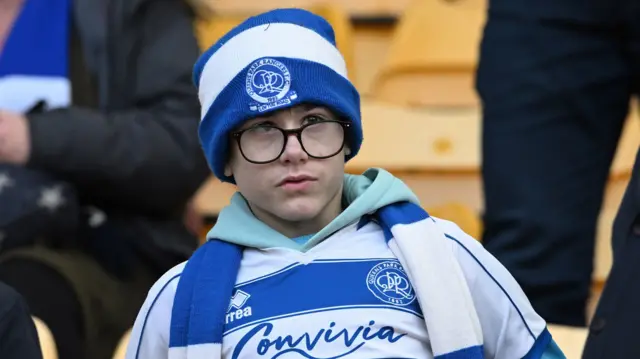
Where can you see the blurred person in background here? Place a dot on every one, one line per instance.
(99, 157)
(18, 334)
(555, 78)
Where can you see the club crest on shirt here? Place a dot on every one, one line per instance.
(389, 282)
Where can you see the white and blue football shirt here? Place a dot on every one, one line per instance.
(348, 297)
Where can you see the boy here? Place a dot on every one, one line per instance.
(307, 262)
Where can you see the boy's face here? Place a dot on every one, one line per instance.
(295, 190)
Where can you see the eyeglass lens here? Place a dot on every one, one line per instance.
(266, 143)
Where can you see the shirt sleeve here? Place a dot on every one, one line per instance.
(511, 327)
(150, 333)
(553, 351)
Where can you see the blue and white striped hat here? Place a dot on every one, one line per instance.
(271, 61)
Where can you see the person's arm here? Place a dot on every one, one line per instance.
(511, 327)
(18, 335)
(147, 155)
(150, 333)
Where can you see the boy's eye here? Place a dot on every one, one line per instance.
(313, 119)
(263, 127)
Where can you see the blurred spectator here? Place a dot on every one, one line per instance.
(555, 78)
(18, 335)
(613, 330)
(98, 124)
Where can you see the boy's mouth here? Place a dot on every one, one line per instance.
(293, 179)
(296, 182)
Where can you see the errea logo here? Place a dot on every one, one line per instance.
(237, 309)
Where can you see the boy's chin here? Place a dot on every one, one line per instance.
(299, 210)
(299, 215)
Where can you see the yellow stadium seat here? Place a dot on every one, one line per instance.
(121, 349)
(460, 214)
(427, 143)
(400, 138)
(433, 54)
(343, 30)
(47, 342)
(360, 8)
(570, 339)
(209, 29)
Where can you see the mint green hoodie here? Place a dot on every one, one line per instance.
(363, 194)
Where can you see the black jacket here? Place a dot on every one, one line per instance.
(18, 336)
(614, 326)
(129, 141)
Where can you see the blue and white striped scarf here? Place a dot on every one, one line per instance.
(207, 281)
(34, 64)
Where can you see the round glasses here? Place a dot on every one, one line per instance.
(264, 143)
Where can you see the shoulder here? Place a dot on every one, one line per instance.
(478, 264)
(509, 322)
(160, 297)
(474, 260)
(150, 333)
(465, 247)
(168, 282)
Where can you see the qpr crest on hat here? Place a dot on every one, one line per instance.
(389, 283)
(268, 82)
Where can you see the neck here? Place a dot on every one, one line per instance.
(293, 229)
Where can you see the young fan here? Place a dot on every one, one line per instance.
(307, 261)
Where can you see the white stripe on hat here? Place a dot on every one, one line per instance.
(268, 40)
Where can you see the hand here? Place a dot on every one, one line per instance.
(15, 141)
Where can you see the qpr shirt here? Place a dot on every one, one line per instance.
(347, 297)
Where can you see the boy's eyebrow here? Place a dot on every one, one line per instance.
(306, 108)
(309, 106)
(303, 109)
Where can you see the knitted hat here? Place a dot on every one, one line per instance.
(272, 61)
